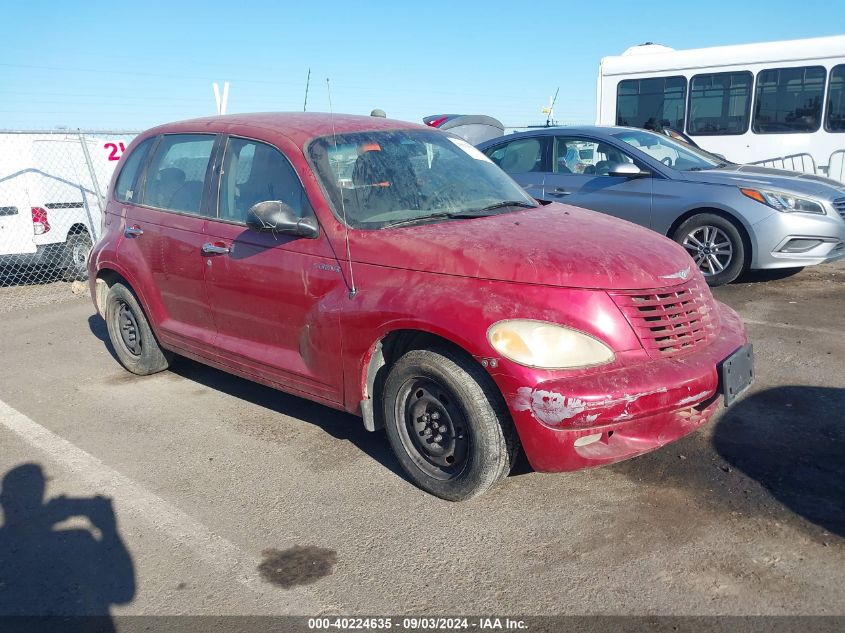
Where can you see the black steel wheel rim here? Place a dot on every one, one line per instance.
(127, 325)
(433, 428)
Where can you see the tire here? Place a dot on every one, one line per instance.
(715, 245)
(75, 257)
(472, 422)
(131, 337)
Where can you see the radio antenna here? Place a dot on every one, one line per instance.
(352, 289)
(307, 83)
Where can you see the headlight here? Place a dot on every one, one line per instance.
(546, 345)
(785, 202)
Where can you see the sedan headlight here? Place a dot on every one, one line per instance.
(785, 202)
(546, 345)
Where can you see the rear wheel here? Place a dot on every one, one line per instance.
(131, 336)
(75, 256)
(448, 424)
(715, 245)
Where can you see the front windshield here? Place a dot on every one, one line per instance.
(671, 152)
(380, 178)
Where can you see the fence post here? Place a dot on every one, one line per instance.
(101, 199)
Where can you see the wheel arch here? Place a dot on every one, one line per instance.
(731, 217)
(385, 351)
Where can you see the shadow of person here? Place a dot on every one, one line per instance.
(792, 441)
(47, 569)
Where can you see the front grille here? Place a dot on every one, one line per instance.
(670, 321)
(839, 205)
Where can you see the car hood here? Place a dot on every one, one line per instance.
(554, 245)
(777, 179)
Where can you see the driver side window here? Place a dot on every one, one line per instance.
(255, 172)
(582, 156)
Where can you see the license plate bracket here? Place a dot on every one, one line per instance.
(736, 373)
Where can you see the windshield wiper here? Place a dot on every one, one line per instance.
(500, 205)
(423, 218)
(461, 215)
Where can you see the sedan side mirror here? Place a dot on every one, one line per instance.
(626, 170)
(277, 217)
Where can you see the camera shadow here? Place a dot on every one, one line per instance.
(48, 569)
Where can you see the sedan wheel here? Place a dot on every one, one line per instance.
(716, 245)
(710, 248)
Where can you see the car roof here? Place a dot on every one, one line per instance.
(299, 127)
(600, 131)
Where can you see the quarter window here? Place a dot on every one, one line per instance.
(652, 103)
(789, 100)
(720, 104)
(255, 172)
(177, 172)
(835, 120)
(126, 182)
(519, 156)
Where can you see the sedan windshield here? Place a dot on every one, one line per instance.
(670, 152)
(386, 178)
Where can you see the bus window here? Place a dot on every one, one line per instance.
(651, 103)
(835, 120)
(720, 103)
(789, 100)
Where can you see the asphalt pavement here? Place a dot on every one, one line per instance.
(232, 498)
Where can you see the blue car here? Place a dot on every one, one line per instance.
(729, 217)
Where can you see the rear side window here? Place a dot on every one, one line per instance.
(519, 156)
(835, 120)
(255, 172)
(652, 103)
(127, 180)
(720, 104)
(177, 171)
(789, 100)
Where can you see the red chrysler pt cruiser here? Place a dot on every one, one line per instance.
(392, 271)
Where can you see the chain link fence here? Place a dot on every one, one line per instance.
(52, 194)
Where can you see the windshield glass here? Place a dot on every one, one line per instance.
(671, 152)
(380, 178)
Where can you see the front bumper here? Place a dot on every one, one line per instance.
(624, 412)
(817, 238)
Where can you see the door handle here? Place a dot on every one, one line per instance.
(560, 191)
(214, 249)
(133, 231)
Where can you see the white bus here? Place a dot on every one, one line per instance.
(781, 104)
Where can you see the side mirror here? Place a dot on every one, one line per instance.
(626, 170)
(275, 216)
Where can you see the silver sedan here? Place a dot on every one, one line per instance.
(729, 217)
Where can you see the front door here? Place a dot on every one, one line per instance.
(580, 177)
(273, 296)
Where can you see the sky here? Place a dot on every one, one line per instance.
(121, 65)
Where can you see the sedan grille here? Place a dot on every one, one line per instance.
(839, 205)
(670, 321)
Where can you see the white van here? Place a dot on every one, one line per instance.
(49, 211)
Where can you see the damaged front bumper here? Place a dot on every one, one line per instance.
(603, 417)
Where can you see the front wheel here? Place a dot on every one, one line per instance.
(447, 424)
(715, 245)
(75, 257)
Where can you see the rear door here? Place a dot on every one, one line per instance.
(524, 159)
(164, 236)
(273, 296)
(579, 176)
